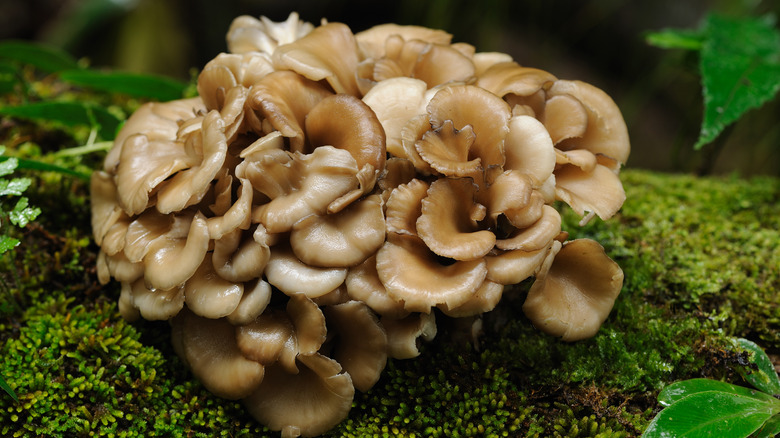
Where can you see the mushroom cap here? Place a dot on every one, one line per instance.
(254, 301)
(599, 191)
(574, 297)
(512, 267)
(529, 149)
(606, 132)
(484, 300)
(363, 284)
(154, 304)
(446, 150)
(248, 34)
(209, 348)
(290, 275)
(308, 403)
(403, 335)
(238, 258)
(404, 206)
(210, 296)
(537, 236)
(361, 342)
(170, 262)
(346, 122)
(328, 52)
(268, 339)
(105, 211)
(395, 101)
(449, 222)
(372, 42)
(412, 273)
(505, 78)
(341, 239)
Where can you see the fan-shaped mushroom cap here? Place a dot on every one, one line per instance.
(529, 149)
(606, 132)
(284, 98)
(404, 206)
(119, 267)
(564, 117)
(371, 42)
(237, 258)
(363, 285)
(346, 122)
(404, 334)
(238, 216)
(291, 275)
(599, 191)
(254, 300)
(269, 339)
(341, 239)
(507, 78)
(309, 323)
(229, 70)
(485, 112)
(395, 101)
(300, 185)
(328, 52)
(210, 350)
(446, 150)
(308, 403)
(157, 121)
(537, 236)
(154, 304)
(485, 60)
(209, 295)
(449, 223)
(512, 267)
(574, 297)
(484, 300)
(170, 262)
(412, 273)
(248, 34)
(103, 206)
(361, 344)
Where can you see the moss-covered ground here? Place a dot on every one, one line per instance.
(702, 263)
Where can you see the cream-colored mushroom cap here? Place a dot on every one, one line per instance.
(372, 41)
(412, 273)
(305, 404)
(341, 239)
(210, 296)
(248, 34)
(170, 262)
(360, 344)
(210, 350)
(395, 101)
(269, 339)
(484, 300)
(363, 284)
(574, 297)
(154, 304)
(404, 335)
(290, 275)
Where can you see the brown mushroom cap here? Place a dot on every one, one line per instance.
(268, 339)
(238, 258)
(574, 297)
(170, 262)
(345, 122)
(210, 350)
(395, 101)
(403, 335)
(254, 300)
(103, 205)
(328, 52)
(449, 222)
(599, 191)
(154, 304)
(285, 271)
(529, 149)
(537, 236)
(361, 344)
(372, 41)
(210, 296)
(309, 323)
(248, 34)
(484, 300)
(446, 150)
(363, 284)
(308, 403)
(342, 239)
(412, 273)
(404, 206)
(512, 267)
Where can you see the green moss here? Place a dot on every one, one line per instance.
(701, 261)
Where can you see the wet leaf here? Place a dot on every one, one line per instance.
(740, 67)
(712, 413)
(770, 429)
(45, 58)
(765, 377)
(69, 114)
(138, 85)
(679, 390)
(22, 214)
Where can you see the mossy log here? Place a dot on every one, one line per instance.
(702, 263)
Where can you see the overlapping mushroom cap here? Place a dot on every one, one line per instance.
(327, 193)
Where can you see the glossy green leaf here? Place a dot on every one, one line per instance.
(14, 187)
(679, 390)
(69, 114)
(711, 414)
(22, 163)
(770, 429)
(7, 243)
(138, 85)
(765, 377)
(45, 58)
(740, 67)
(676, 39)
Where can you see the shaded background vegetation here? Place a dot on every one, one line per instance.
(598, 41)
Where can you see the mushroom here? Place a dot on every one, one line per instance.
(484, 300)
(254, 301)
(305, 404)
(153, 304)
(574, 295)
(372, 42)
(396, 101)
(238, 259)
(363, 284)
(169, 262)
(342, 239)
(269, 339)
(360, 344)
(209, 348)
(210, 296)
(285, 271)
(248, 34)
(403, 335)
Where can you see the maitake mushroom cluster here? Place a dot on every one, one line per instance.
(299, 221)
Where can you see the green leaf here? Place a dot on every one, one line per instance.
(679, 390)
(765, 378)
(14, 187)
(7, 243)
(740, 67)
(138, 85)
(45, 58)
(676, 39)
(711, 414)
(7, 164)
(8, 77)
(8, 389)
(770, 429)
(69, 114)
(22, 214)
(39, 165)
